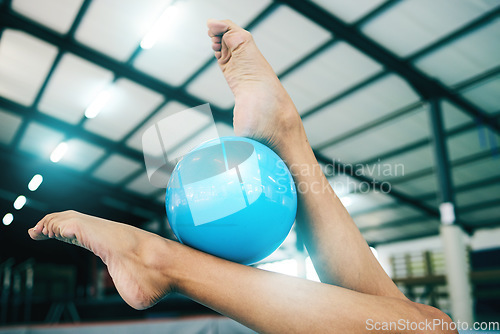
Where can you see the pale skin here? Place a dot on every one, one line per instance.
(145, 267)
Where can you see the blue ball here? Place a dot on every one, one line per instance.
(232, 197)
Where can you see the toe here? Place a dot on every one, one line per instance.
(36, 235)
(217, 27)
(216, 46)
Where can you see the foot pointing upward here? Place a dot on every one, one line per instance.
(263, 109)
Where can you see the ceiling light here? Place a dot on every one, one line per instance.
(35, 182)
(59, 152)
(7, 219)
(160, 26)
(19, 202)
(98, 104)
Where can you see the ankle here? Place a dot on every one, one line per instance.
(162, 257)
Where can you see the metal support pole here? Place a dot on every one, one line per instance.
(455, 252)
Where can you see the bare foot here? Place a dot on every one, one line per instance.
(263, 109)
(132, 255)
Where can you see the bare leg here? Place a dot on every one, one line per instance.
(264, 111)
(146, 267)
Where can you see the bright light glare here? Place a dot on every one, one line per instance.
(160, 26)
(96, 106)
(310, 271)
(19, 202)
(346, 200)
(59, 152)
(287, 267)
(7, 219)
(35, 182)
(375, 253)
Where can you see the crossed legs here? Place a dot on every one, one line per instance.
(354, 288)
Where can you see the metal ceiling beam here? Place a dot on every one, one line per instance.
(384, 187)
(488, 223)
(343, 94)
(306, 58)
(417, 144)
(55, 63)
(75, 131)
(384, 7)
(69, 130)
(376, 209)
(411, 220)
(78, 18)
(469, 228)
(379, 121)
(10, 20)
(466, 187)
(477, 79)
(462, 85)
(455, 163)
(424, 85)
(432, 195)
(412, 236)
(395, 223)
(65, 45)
(495, 203)
(468, 28)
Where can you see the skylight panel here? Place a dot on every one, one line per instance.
(24, 63)
(471, 142)
(472, 54)
(9, 124)
(388, 136)
(81, 155)
(57, 15)
(211, 87)
(116, 168)
(115, 27)
(419, 186)
(402, 164)
(478, 195)
(73, 86)
(476, 171)
(183, 45)
(178, 127)
(485, 95)
(40, 140)
(349, 11)
(384, 216)
(142, 186)
(422, 22)
(129, 104)
(297, 37)
(379, 98)
(453, 117)
(329, 73)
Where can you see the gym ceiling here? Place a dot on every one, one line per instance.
(363, 75)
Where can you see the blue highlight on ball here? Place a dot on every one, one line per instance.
(232, 197)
